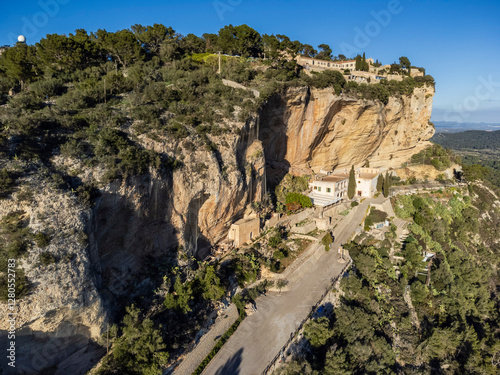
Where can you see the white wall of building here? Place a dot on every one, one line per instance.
(366, 187)
(322, 187)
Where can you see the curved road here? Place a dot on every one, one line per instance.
(261, 335)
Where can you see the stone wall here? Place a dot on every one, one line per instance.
(304, 229)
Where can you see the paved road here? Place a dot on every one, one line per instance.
(260, 336)
(207, 342)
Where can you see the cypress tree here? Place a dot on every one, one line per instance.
(351, 188)
(365, 68)
(386, 185)
(359, 63)
(380, 183)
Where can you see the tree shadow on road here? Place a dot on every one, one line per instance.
(232, 366)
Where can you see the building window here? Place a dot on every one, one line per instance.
(315, 188)
(328, 190)
(319, 188)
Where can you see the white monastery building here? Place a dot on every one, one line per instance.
(328, 188)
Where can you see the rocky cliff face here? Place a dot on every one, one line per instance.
(305, 130)
(111, 253)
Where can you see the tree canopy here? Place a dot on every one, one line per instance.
(351, 187)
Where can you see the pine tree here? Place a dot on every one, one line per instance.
(380, 183)
(386, 185)
(351, 188)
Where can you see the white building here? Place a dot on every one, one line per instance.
(366, 182)
(328, 188)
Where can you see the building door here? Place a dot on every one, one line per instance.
(360, 192)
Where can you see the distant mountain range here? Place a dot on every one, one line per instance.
(454, 127)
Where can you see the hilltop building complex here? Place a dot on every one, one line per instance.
(374, 74)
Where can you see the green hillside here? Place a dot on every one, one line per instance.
(395, 316)
(471, 139)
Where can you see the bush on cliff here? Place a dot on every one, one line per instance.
(301, 199)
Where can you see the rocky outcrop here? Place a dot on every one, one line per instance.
(63, 312)
(304, 130)
(111, 253)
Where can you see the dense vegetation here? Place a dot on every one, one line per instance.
(479, 152)
(90, 96)
(471, 139)
(436, 156)
(97, 101)
(451, 325)
(15, 240)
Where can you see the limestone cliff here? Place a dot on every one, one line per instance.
(109, 254)
(306, 130)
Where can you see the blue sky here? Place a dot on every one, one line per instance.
(456, 41)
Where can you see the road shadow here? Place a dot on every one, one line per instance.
(232, 366)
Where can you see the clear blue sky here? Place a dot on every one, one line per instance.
(456, 41)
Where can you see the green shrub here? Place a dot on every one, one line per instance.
(368, 223)
(25, 195)
(6, 183)
(275, 241)
(46, 258)
(74, 100)
(290, 184)
(178, 130)
(275, 266)
(327, 240)
(436, 163)
(21, 288)
(318, 332)
(47, 87)
(301, 199)
(180, 298)
(377, 216)
(42, 240)
(327, 78)
(25, 100)
(278, 254)
(354, 204)
(138, 347)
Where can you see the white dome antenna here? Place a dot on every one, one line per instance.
(21, 39)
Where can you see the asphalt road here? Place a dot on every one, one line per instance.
(261, 335)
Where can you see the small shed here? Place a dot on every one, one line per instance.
(244, 231)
